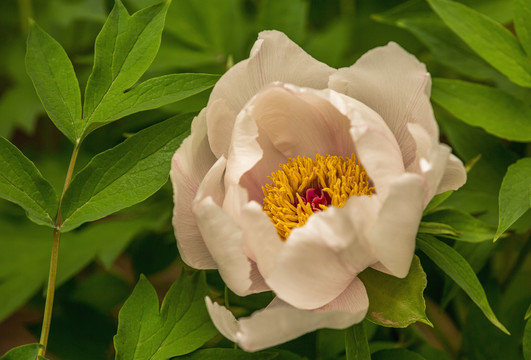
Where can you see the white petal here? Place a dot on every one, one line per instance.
(274, 57)
(397, 86)
(280, 322)
(319, 260)
(223, 239)
(454, 175)
(393, 235)
(190, 164)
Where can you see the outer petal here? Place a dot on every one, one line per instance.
(393, 235)
(319, 260)
(274, 57)
(397, 86)
(454, 175)
(222, 236)
(280, 322)
(189, 166)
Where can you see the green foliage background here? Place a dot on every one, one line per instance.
(479, 55)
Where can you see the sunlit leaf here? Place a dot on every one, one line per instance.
(469, 228)
(55, 81)
(124, 49)
(491, 109)
(488, 38)
(124, 175)
(514, 194)
(395, 302)
(458, 269)
(23, 184)
(181, 325)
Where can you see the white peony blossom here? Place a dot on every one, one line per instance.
(298, 176)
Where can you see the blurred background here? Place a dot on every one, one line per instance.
(100, 262)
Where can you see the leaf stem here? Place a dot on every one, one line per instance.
(356, 343)
(26, 12)
(52, 275)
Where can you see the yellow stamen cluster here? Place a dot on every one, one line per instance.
(336, 176)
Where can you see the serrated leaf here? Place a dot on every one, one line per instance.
(228, 354)
(124, 175)
(488, 38)
(24, 352)
(395, 302)
(151, 94)
(469, 228)
(397, 354)
(55, 81)
(181, 326)
(356, 343)
(522, 23)
(514, 194)
(458, 269)
(491, 109)
(22, 183)
(124, 49)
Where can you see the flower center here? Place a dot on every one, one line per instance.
(304, 186)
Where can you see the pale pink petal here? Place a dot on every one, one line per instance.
(394, 84)
(280, 322)
(284, 121)
(454, 175)
(189, 166)
(319, 260)
(223, 239)
(274, 57)
(393, 235)
(263, 249)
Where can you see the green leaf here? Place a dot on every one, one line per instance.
(153, 93)
(24, 352)
(522, 23)
(286, 16)
(514, 194)
(397, 354)
(491, 109)
(527, 340)
(435, 228)
(437, 200)
(228, 354)
(181, 326)
(55, 81)
(527, 313)
(469, 228)
(23, 184)
(488, 38)
(124, 175)
(124, 49)
(395, 302)
(458, 269)
(356, 343)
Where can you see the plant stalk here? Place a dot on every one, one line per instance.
(52, 275)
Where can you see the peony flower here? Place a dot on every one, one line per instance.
(296, 177)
